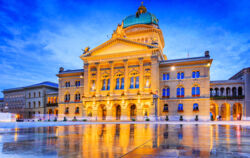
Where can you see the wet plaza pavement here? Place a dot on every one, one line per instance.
(126, 140)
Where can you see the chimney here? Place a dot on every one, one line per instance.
(61, 69)
(207, 53)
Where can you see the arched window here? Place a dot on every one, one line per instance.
(195, 107)
(240, 92)
(216, 91)
(39, 104)
(39, 94)
(211, 91)
(134, 80)
(163, 92)
(77, 110)
(119, 81)
(34, 104)
(34, 94)
(180, 92)
(67, 98)
(165, 108)
(234, 91)
(195, 91)
(222, 91)
(77, 97)
(77, 83)
(67, 110)
(29, 105)
(180, 108)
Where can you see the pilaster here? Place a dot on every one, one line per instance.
(111, 77)
(141, 79)
(126, 79)
(86, 79)
(98, 76)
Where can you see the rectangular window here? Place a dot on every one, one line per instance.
(137, 82)
(103, 84)
(182, 75)
(193, 74)
(122, 83)
(167, 76)
(164, 77)
(117, 83)
(198, 74)
(178, 75)
(132, 82)
(108, 86)
(77, 83)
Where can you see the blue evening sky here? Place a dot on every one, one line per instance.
(39, 36)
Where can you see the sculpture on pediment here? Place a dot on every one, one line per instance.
(119, 32)
(86, 50)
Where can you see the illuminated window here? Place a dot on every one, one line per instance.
(195, 107)
(166, 92)
(195, 91)
(77, 110)
(67, 84)
(165, 108)
(132, 82)
(180, 92)
(77, 83)
(67, 98)
(77, 97)
(180, 107)
(196, 74)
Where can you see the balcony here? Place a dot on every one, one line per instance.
(227, 97)
(180, 111)
(51, 104)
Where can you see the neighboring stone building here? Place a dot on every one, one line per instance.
(70, 92)
(230, 99)
(29, 102)
(129, 77)
(15, 101)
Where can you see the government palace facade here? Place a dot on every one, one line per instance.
(129, 78)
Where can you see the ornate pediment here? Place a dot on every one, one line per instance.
(116, 46)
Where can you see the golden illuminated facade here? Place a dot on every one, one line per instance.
(129, 77)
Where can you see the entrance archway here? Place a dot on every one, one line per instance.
(118, 112)
(225, 111)
(214, 111)
(133, 111)
(237, 111)
(102, 112)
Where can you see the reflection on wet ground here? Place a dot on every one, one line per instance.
(126, 140)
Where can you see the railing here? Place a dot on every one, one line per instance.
(52, 104)
(227, 97)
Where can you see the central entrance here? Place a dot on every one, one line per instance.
(102, 112)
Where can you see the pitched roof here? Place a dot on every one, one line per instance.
(46, 83)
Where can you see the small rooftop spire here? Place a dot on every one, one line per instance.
(141, 9)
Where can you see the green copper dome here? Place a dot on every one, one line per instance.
(141, 17)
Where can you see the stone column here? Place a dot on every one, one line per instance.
(141, 79)
(111, 77)
(86, 79)
(126, 77)
(98, 79)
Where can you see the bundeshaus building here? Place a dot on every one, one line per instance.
(129, 78)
